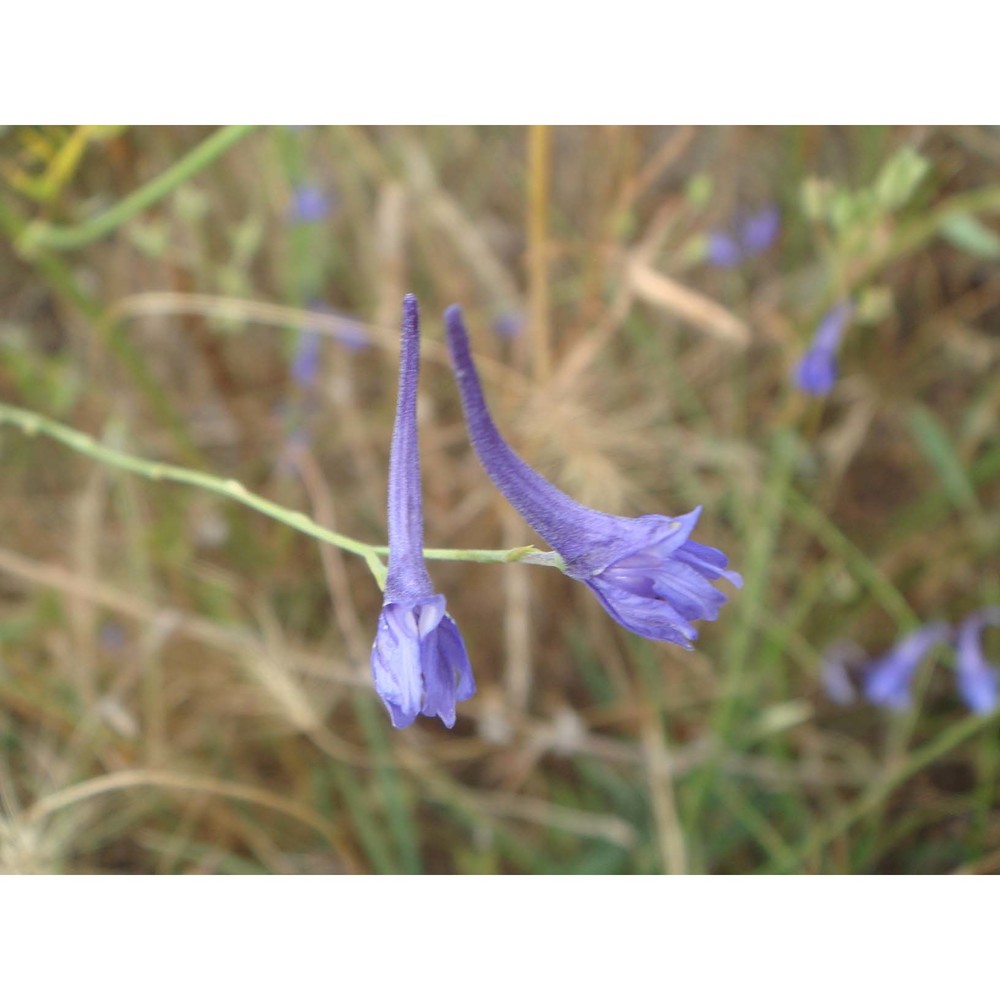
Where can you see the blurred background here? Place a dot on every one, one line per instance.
(796, 328)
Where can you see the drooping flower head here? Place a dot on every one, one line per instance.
(419, 662)
(816, 373)
(750, 237)
(888, 679)
(646, 572)
(977, 679)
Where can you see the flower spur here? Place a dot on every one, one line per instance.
(816, 372)
(977, 679)
(419, 662)
(646, 572)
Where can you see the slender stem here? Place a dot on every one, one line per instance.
(522, 554)
(539, 169)
(33, 423)
(41, 234)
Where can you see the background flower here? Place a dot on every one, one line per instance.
(749, 237)
(816, 373)
(977, 679)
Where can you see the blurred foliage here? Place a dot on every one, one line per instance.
(184, 682)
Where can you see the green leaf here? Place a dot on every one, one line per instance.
(967, 233)
(900, 178)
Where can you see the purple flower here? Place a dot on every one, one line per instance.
(816, 373)
(508, 325)
(887, 679)
(750, 238)
(305, 361)
(838, 671)
(975, 676)
(349, 331)
(310, 203)
(111, 636)
(419, 662)
(645, 570)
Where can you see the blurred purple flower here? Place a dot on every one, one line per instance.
(352, 335)
(816, 373)
(838, 671)
(888, 678)
(419, 662)
(348, 331)
(111, 636)
(750, 237)
(508, 325)
(310, 203)
(977, 679)
(305, 362)
(645, 571)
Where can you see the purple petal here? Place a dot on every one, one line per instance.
(816, 373)
(723, 250)
(447, 672)
(831, 327)
(760, 230)
(888, 679)
(838, 670)
(977, 679)
(508, 325)
(652, 619)
(310, 204)
(349, 332)
(396, 668)
(305, 362)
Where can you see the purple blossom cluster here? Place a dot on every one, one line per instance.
(647, 572)
(751, 236)
(887, 680)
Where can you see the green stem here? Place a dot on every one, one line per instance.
(523, 554)
(41, 234)
(33, 423)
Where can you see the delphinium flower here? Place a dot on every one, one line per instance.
(419, 662)
(508, 325)
(310, 203)
(646, 572)
(839, 669)
(888, 679)
(349, 331)
(304, 368)
(749, 238)
(816, 372)
(977, 679)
